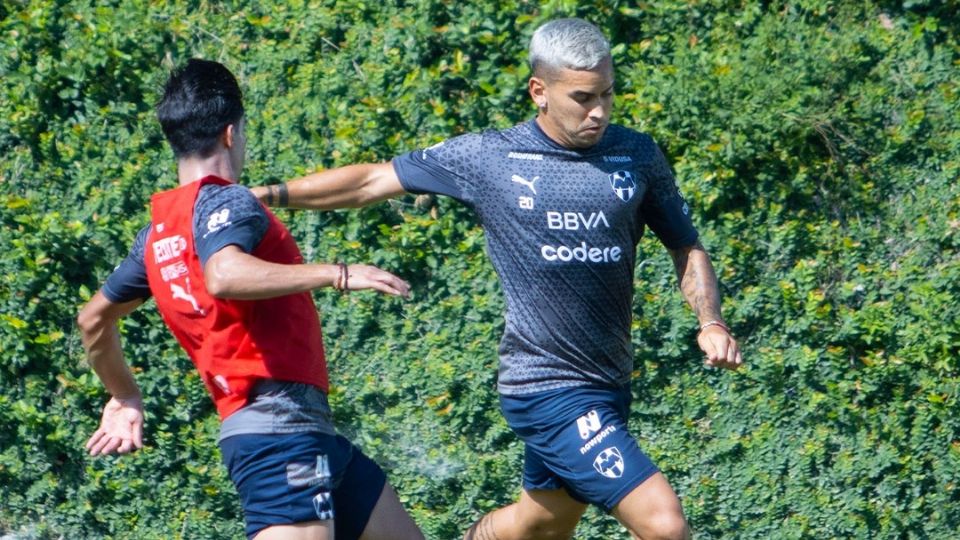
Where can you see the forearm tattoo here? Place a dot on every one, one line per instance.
(698, 282)
(482, 529)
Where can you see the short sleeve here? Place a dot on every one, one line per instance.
(441, 168)
(227, 215)
(664, 209)
(128, 281)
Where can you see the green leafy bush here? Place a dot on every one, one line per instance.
(818, 142)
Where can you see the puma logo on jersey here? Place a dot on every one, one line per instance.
(529, 183)
(179, 293)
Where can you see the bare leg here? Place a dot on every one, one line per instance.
(652, 511)
(312, 530)
(538, 515)
(389, 521)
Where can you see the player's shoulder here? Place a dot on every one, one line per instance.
(523, 138)
(229, 202)
(491, 134)
(224, 193)
(462, 145)
(524, 131)
(140, 240)
(623, 140)
(623, 133)
(143, 232)
(213, 197)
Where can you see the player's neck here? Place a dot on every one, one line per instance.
(557, 135)
(193, 169)
(550, 131)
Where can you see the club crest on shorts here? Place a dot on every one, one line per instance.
(609, 463)
(623, 185)
(323, 505)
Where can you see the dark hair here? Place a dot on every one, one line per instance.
(199, 101)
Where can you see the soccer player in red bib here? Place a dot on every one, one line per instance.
(232, 286)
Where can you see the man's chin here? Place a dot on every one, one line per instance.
(586, 139)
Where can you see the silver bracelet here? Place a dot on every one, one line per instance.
(714, 322)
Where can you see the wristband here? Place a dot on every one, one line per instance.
(284, 196)
(714, 322)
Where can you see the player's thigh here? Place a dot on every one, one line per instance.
(313, 530)
(652, 510)
(389, 520)
(549, 513)
(593, 457)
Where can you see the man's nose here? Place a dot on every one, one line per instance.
(598, 112)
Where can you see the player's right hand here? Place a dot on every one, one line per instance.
(364, 276)
(721, 348)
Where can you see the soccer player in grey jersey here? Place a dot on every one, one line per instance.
(564, 200)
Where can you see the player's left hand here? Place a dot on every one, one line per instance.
(720, 347)
(121, 428)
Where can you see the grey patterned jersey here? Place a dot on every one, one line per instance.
(562, 228)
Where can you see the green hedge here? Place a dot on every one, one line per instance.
(818, 142)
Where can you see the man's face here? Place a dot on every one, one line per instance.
(576, 104)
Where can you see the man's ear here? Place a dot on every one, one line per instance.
(537, 88)
(228, 135)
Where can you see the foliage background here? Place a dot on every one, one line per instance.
(818, 140)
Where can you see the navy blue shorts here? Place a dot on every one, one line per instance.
(300, 477)
(577, 439)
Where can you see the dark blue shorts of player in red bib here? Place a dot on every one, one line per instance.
(577, 439)
(302, 477)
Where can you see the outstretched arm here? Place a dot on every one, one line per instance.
(698, 282)
(233, 273)
(121, 425)
(352, 186)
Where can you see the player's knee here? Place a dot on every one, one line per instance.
(667, 526)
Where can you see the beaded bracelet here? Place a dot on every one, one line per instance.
(343, 278)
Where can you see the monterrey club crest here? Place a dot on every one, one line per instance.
(623, 185)
(609, 463)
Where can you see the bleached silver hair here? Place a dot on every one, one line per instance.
(567, 43)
